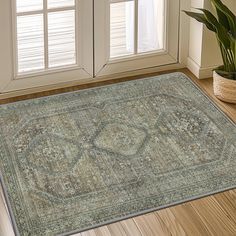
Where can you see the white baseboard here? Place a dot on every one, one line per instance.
(198, 71)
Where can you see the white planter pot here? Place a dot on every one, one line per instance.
(224, 89)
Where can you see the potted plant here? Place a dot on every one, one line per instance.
(224, 26)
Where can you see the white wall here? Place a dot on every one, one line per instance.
(204, 54)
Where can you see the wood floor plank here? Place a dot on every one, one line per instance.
(214, 217)
(130, 228)
(102, 231)
(190, 220)
(117, 229)
(5, 225)
(232, 196)
(171, 222)
(151, 225)
(226, 201)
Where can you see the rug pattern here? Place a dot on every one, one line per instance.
(77, 160)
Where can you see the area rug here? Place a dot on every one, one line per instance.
(79, 160)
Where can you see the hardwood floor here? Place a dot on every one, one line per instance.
(214, 215)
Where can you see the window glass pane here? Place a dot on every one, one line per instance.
(28, 5)
(61, 38)
(150, 25)
(30, 42)
(60, 3)
(121, 29)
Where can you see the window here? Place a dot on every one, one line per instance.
(45, 35)
(64, 41)
(135, 34)
(136, 27)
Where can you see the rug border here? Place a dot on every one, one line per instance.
(203, 92)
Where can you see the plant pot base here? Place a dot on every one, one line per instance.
(224, 89)
(225, 99)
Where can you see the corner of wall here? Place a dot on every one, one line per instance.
(198, 71)
(204, 54)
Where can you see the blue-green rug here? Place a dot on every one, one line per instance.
(75, 161)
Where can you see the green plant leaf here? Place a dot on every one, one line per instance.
(221, 32)
(223, 19)
(209, 16)
(226, 40)
(201, 18)
(226, 13)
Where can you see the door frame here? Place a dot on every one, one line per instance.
(6, 63)
(106, 67)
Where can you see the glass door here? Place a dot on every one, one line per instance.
(59, 41)
(52, 42)
(135, 34)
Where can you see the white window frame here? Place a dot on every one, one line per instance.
(9, 86)
(136, 54)
(45, 12)
(105, 66)
(83, 69)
